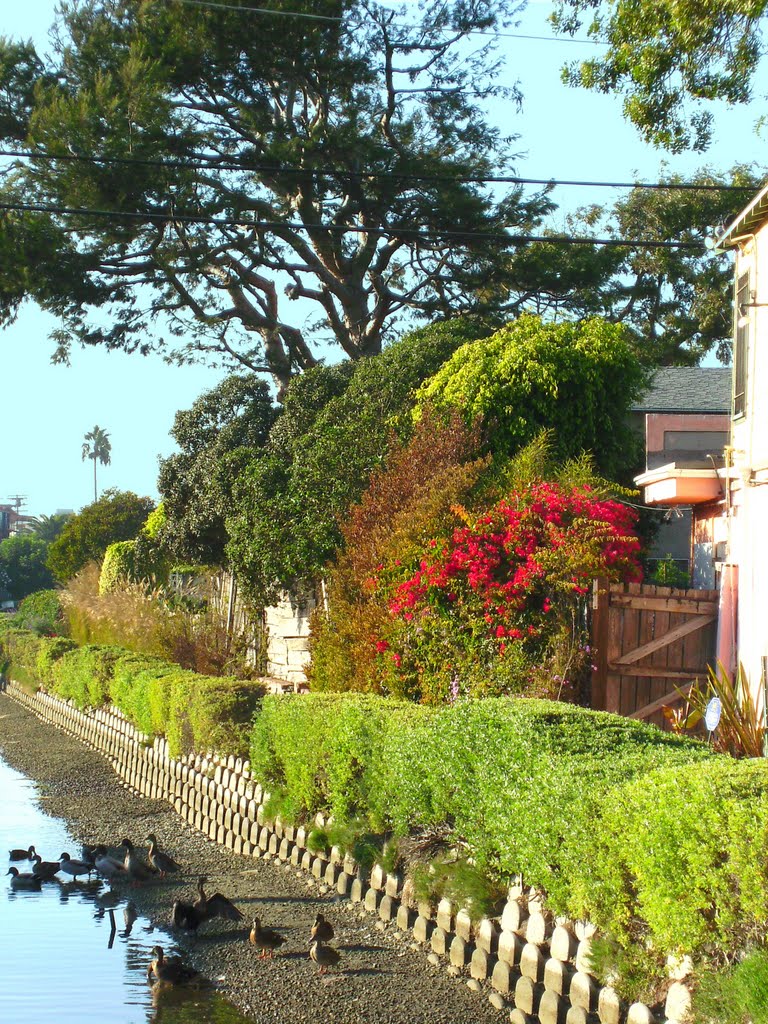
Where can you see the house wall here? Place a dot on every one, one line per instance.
(665, 442)
(748, 527)
(708, 433)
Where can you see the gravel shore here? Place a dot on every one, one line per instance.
(382, 979)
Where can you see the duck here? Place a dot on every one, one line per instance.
(106, 865)
(45, 869)
(172, 972)
(160, 861)
(135, 868)
(24, 880)
(191, 915)
(74, 867)
(265, 939)
(27, 854)
(324, 956)
(322, 930)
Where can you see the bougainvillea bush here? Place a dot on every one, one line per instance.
(498, 606)
(408, 501)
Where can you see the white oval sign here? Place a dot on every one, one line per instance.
(712, 714)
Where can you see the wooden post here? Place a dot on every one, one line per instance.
(599, 652)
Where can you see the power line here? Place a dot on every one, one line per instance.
(260, 10)
(213, 163)
(331, 18)
(402, 232)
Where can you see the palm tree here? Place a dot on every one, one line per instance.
(97, 446)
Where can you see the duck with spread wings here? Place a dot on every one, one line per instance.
(191, 915)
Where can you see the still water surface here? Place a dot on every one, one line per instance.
(60, 960)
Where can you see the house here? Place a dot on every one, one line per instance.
(745, 533)
(684, 418)
(729, 498)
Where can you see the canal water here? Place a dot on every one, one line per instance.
(60, 957)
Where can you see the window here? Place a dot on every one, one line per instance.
(740, 347)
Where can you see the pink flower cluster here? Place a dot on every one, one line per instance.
(508, 566)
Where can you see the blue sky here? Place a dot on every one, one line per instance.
(565, 133)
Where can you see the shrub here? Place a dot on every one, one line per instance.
(577, 378)
(117, 515)
(321, 752)
(521, 781)
(41, 612)
(734, 995)
(680, 859)
(511, 577)
(195, 712)
(160, 623)
(407, 502)
(84, 675)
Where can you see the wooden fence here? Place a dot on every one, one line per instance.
(649, 642)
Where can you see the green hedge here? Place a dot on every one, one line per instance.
(649, 835)
(686, 851)
(41, 612)
(660, 842)
(30, 658)
(195, 712)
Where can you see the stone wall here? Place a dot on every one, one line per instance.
(532, 966)
(287, 629)
(280, 644)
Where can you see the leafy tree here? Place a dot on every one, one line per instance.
(676, 301)
(216, 437)
(576, 379)
(336, 428)
(269, 126)
(117, 515)
(23, 568)
(669, 60)
(98, 447)
(48, 528)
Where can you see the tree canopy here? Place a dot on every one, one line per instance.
(217, 436)
(23, 568)
(117, 515)
(577, 380)
(231, 162)
(676, 301)
(336, 429)
(669, 60)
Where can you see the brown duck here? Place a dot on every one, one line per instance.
(136, 869)
(45, 869)
(160, 861)
(191, 915)
(27, 854)
(171, 972)
(24, 880)
(324, 956)
(265, 939)
(322, 930)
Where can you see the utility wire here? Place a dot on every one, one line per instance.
(327, 17)
(402, 232)
(213, 163)
(259, 10)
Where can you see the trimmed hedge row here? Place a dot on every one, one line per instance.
(655, 839)
(194, 712)
(650, 836)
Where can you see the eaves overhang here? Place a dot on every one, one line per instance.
(679, 485)
(751, 217)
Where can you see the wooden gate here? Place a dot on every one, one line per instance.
(647, 642)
